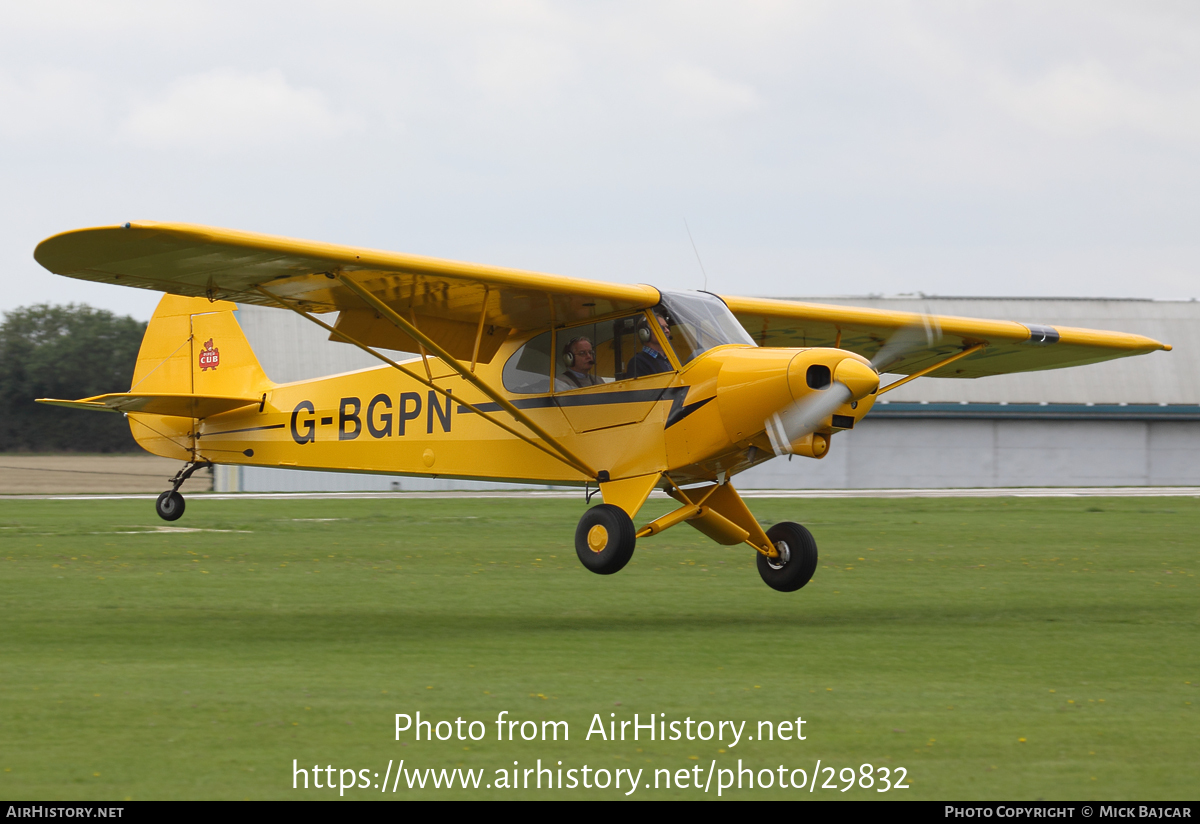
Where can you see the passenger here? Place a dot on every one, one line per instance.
(579, 359)
(652, 359)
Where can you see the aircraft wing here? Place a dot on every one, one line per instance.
(450, 301)
(919, 341)
(446, 299)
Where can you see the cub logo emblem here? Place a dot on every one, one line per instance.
(210, 357)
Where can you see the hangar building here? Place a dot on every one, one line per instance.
(1129, 422)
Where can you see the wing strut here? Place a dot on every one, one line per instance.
(427, 342)
(479, 331)
(444, 393)
(933, 368)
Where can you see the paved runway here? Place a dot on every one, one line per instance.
(1020, 492)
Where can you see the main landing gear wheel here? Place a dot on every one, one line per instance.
(797, 559)
(604, 539)
(169, 505)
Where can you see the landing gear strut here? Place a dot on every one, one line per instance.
(169, 505)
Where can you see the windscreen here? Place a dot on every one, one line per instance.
(699, 322)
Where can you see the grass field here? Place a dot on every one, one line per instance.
(992, 648)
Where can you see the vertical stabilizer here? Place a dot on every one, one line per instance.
(192, 346)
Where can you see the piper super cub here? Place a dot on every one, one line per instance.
(523, 376)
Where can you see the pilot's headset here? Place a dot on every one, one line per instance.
(568, 357)
(643, 328)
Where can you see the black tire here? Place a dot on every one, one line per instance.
(798, 558)
(604, 539)
(169, 506)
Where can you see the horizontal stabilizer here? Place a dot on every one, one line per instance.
(95, 407)
(174, 404)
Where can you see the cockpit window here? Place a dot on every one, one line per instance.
(620, 348)
(527, 371)
(699, 322)
(603, 352)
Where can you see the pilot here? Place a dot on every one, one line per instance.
(652, 359)
(579, 359)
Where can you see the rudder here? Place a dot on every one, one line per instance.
(192, 346)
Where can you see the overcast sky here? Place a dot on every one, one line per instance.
(956, 148)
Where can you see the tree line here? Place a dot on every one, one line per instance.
(69, 352)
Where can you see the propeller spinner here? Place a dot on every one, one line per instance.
(852, 380)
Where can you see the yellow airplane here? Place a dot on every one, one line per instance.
(523, 376)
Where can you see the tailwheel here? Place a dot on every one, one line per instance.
(169, 505)
(797, 559)
(604, 539)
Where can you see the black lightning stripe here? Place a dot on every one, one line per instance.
(679, 411)
(674, 394)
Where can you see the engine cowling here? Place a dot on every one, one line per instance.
(755, 384)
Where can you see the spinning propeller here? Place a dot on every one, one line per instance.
(851, 380)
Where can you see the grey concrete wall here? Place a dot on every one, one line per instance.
(1174, 453)
(994, 453)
